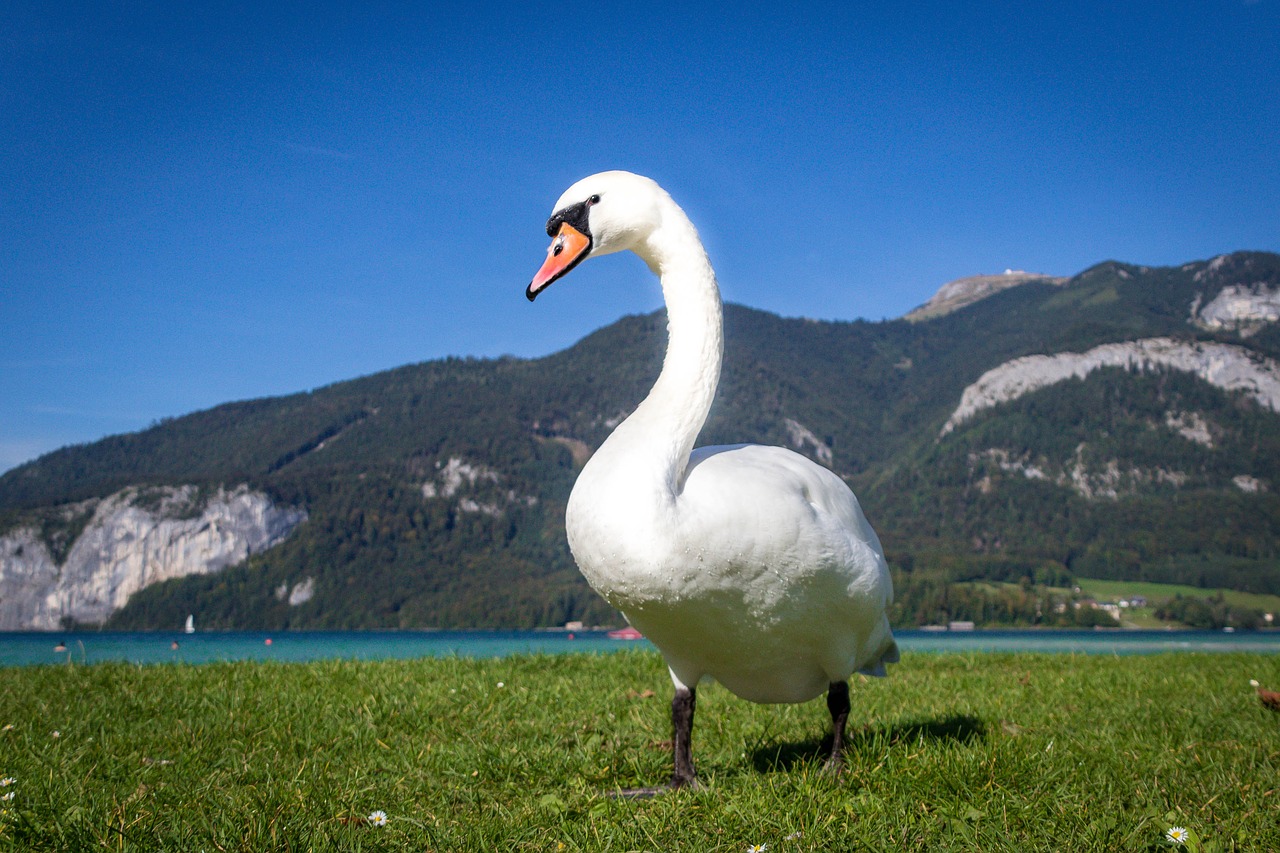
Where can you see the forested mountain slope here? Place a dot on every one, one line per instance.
(434, 493)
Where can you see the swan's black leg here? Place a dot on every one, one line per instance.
(838, 705)
(682, 707)
(682, 775)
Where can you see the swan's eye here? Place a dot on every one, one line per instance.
(595, 199)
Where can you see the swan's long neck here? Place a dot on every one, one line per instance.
(663, 428)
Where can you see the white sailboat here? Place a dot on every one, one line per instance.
(191, 624)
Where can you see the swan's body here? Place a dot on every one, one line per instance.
(751, 565)
(760, 572)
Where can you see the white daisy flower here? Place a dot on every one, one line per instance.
(1177, 834)
(378, 818)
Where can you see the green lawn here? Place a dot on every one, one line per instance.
(952, 752)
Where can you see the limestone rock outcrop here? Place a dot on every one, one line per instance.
(131, 539)
(1231, 368)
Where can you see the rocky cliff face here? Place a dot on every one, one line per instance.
(130, 540)
(1231, 368)
(1243, 308)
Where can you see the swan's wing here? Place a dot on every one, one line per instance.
(785, 541)
(784, 511)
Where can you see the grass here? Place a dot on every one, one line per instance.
(1155, 593)
(1158, 593)
(952, 752)
(1107, 590)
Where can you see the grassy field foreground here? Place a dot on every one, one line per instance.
(952, 752)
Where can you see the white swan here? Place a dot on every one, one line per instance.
(747, 564)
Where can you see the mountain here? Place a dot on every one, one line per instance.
(1119, 424)
(962, 292)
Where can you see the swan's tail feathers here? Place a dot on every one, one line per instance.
(888, 654)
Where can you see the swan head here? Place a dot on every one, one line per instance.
(605, 213)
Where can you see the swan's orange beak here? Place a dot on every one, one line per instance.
(568, 248)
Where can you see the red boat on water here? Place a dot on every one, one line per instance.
(627, 633)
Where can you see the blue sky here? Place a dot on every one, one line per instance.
(201, 203)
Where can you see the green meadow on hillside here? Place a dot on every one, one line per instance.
(1105, 590)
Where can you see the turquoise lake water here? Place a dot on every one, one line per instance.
(28, 648)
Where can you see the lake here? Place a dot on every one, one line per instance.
(27, 648)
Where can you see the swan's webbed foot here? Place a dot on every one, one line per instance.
(685, 783)
(636, 793)
(647, 793)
